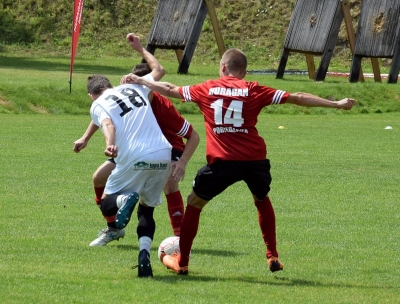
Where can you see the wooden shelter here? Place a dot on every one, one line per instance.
(313, 30)
(378, 37)
(177, 25)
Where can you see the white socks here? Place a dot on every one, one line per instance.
(145, 243)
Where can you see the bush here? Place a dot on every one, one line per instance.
(14, 31)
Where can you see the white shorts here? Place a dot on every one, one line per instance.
(146, 175)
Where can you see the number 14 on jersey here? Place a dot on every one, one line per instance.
(233, 115)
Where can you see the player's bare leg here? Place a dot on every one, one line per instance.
(99, 179)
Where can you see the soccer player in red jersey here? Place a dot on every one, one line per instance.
(234, 149)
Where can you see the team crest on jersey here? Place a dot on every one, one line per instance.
(150, 166)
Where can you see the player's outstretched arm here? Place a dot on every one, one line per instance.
(82, 142)
(309, 100)
(157, 70)
(164, 88)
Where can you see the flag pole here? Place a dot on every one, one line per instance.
(72, 49)
(76, 26)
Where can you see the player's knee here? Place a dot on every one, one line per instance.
(109, 205)
(99, 180)
(145, 211)
(102, 173)
(171, 186)
(195, 201)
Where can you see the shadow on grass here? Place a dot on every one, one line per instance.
(56, 64)
(127, 247)
(262, 277)
(222, 253)
(172, 278)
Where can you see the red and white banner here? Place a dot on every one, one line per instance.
(76, 26)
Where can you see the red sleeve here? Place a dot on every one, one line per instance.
(267, 96)
(193, 92)
(172, 124)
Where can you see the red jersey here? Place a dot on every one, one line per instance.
(171, 123)
(231, 107)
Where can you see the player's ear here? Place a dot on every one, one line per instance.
(223, 67)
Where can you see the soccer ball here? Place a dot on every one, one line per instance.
(169, 246)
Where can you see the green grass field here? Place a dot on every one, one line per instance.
(335, 191)
(335, 188)
(39, 85)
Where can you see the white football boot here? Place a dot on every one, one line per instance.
(107, 235)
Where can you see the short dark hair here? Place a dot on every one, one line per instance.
(97, 84)
(235, 60)
(141, 69)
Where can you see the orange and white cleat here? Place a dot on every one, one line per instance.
(172, 262)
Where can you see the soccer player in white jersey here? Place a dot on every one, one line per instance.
(142, 155)
(175, 128)
(234, 149)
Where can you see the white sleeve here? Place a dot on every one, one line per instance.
(146, 89)
(98, 114)
(148, 77)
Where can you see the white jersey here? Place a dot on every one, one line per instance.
(137, 130)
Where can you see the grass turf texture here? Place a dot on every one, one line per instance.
(40, 85)
(335, 192)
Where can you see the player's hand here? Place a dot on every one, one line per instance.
(124, 80)
(346, 103)
(79, 145)
(111, 151)
(132, 78)
(178, 170)
(134, 41)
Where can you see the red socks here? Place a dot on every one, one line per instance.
(99, 193)
(175, 210)
(190, 225)
(266, 219)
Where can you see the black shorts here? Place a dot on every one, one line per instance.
(175, 156)
(213, 179)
